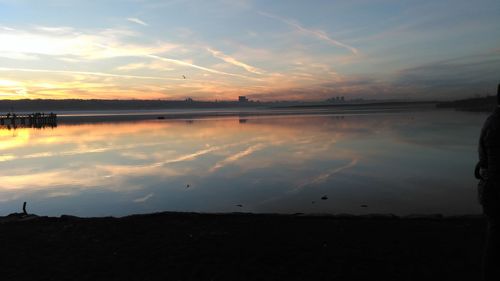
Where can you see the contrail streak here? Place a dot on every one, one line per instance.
(185, 63)
(233, 61)
(138, 21)
(87, 73)
(317, 33)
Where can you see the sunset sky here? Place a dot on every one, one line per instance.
(267, 50)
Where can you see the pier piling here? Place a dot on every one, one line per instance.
(37, 120)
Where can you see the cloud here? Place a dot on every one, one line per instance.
(138, 21)
(7, 157)
(7, 28)
(9, 88)
(233, 61)
(86, 73)
(189, 64)
(320, 34)
(464, 75)
(55, 29)
(455, 78)
(153, 66)
(64, 41)
(17, 56)
(313, 90)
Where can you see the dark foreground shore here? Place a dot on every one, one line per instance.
(188, 246)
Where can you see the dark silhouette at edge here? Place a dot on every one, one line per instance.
(488, 173)
(31, 120)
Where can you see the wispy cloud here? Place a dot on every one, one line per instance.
(233, 61)
(320, 34)
(6, 28)
(86, 73)
(54, 29)
(189, 64)
(7, 157)
(9, 88)
(138, 21)
(64, 41)
(463, 75)
(153, 66)
(18, 56)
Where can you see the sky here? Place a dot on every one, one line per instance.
(265, 50)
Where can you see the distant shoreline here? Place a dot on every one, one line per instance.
(368, 104)
(478, 104)
(90, 105)
(92, 116)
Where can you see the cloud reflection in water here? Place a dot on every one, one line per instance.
(270, 164)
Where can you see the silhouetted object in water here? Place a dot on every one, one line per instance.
(324, 198)
(187, 186)
(488, 172)
(239, 205)
(160, 117)
(313, 202)
(24, 209)
(34, 120)
(364, 206)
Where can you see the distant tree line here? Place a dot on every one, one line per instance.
(487, 103)
(98, 104)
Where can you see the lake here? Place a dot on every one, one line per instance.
(412, 162)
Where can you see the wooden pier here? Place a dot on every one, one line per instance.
(33, 120)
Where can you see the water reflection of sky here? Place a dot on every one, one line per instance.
(393, 163)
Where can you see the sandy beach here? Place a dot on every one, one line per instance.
(239, 246)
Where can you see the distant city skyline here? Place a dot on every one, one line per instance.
(263, 50)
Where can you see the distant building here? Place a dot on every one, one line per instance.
(189, 100)
(338, 99)
(242, 99)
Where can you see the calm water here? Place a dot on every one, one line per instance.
(402, 163)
